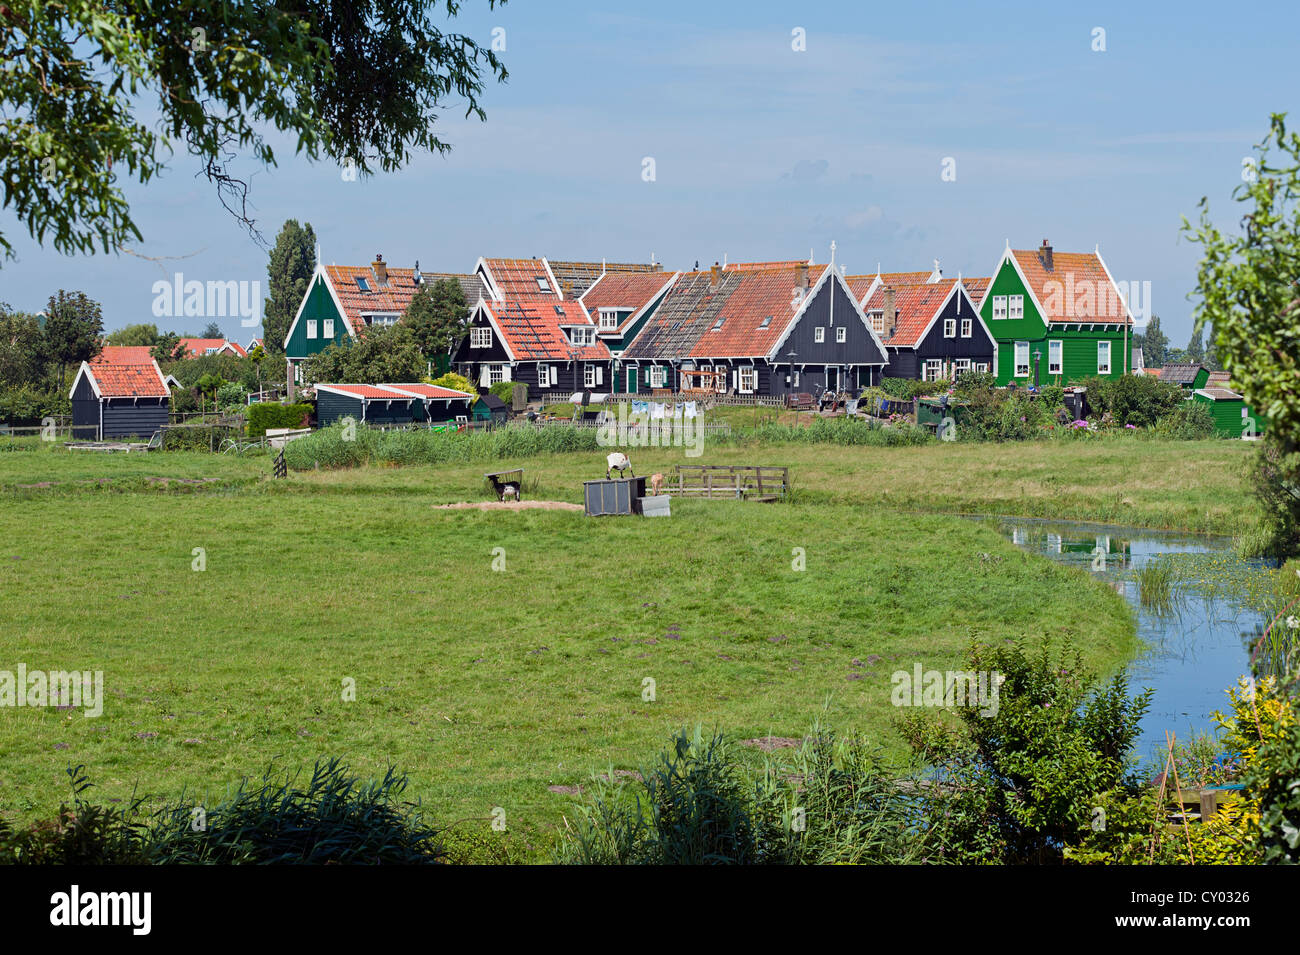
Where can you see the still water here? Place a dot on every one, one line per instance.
(1194, 649)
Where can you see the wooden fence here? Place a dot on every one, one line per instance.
(737, 481)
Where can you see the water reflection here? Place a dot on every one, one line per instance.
(1197, 644)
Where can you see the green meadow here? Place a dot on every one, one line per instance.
(503, 657)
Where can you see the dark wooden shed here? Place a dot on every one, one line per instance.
(113, 399)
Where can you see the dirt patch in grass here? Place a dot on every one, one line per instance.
(769, 744)
(509, 506)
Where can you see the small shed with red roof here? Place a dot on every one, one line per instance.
(120, 393)
(390, 405)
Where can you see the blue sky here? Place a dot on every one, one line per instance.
(762, 152)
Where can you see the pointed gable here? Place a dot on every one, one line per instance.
(1071, 286)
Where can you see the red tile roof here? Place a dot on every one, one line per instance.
(428, 391)
(576, 278)
(123, 355)
(194, 347)
(915, 306)
(860, 285)
(532, 328)
(764, 266)
(976, 288)
(518, 278)
(390, 299)
(366, 391)
(624, 290)
(1075, 289)
(135, 379)
(762, 294)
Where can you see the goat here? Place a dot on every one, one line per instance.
(617, 461)
(657, 483)
(510, 491)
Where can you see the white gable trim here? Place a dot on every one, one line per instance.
(85, 370)
(496, 329)
(321, 274)
(772, 355)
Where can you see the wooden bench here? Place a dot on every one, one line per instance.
(801, 401)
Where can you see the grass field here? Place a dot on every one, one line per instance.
(491, 686)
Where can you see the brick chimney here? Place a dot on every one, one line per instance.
(1045, 254)
(803, 276)
(714, 274)
(890, 313)
(381, 270)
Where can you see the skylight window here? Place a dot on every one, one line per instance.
(363, 284)
(559, 310)
(543, 285)
(717, 324)
(766, 322)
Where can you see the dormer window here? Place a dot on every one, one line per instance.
(362, 283)
(582, 336)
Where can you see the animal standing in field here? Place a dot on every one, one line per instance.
(617, 461)
(657, 483)
(509, 492)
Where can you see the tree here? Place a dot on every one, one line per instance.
(292, 262)
(74, 325)
(436, 317)
(22, 348)
(142, 334)
(167, 347)
(1154, 344)
(359, 83)
(1195, 347)
(211, 330)
(1248, 294)
(381, 354)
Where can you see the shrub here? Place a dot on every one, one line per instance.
(1002, 415)
(1016, 784)
(1189, 421)
(505, 390)
(832, 801)
(1275, 478)
(271, 414)
(1139, 400)
(907, 388)
(456, 383)
(196, 437)
(81, 834)
(26, 405)
(335, 819)
(231, 394)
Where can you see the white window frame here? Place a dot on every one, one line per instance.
(609, 319)
(747, 381)
(655, 376)
(1020, 370)
(878, 322)
(966, 326)
(819, 335)
(311, 328)
(589, 376)
(999, 307)
(960, 366)
(982, 366)
(328, 328)
(932, 370)
(1103, 346)
(1015, 307)
(543, 376)
(543, 286)
(841, 334)
(496, 374)
(950, 328)
(1057, 366)
(480, 336)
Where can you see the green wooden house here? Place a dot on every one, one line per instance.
(1233, 418)
(342, 301)
(1057, 317)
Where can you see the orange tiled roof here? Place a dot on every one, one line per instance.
(859, 285)
(576, 278)
(976, 288)
(915, 306)
(194, 347)
(128, 381)
(764, 266)
(763, 294)
(1075, 289)
(520, 278)
(390, 299)
(624, 290)
(532, 329)
(123, 355)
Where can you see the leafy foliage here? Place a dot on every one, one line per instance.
(1016, 785)
(270, 414)
(436, 317)
(381, 354)
(1246, 284)
(359, 82)
(292, 263)
(74, 326)
(1139, 400)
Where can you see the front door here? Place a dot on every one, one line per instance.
(631, 381)
(832, 379)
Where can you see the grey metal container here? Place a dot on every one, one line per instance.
(656, 506)
(617, 496)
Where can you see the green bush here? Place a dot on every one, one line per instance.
(1003, 415)
(1139, 400)
(456, 383)
(26, 405)
(505, 390)
(81, 834)
(907, 388)
(1188, 421)
(196, 437)
(272, 414)
(1017, 784)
